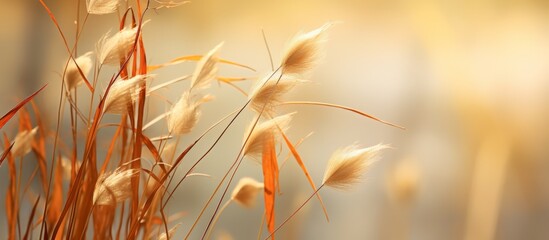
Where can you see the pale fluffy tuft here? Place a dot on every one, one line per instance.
(246, 191)
(186, 113)
(347, 165)
(73, 78)
(206, 69)
(303, 52)
(22, 144)
(114, 188)
(102, 6)
(270, 94)
(263, 132)
(122, 93)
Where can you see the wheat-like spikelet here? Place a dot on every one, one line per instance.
(206, 69)
(102, 6)
(263, 132)
(22, 144)
(303, 52)
(346, 166)
(113, 188)
(110, 50)
(122, 93)
(73, 78)
(270, 94)
(186, 113)
(246, 191)
(171, 232)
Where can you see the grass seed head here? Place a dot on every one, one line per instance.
(111, 50)
(270, 94)
(346, 165)
(22, 144)
(122, 93)
(73, 78)
(303, 52)
(102, 6)
(246, 191)
(263, 132)
(186, 113)
(114, 188)
(206, 69)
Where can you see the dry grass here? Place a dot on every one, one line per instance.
(123, 196)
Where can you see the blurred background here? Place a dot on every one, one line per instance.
(468, 79)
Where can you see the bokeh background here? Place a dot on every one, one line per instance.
(468, 79)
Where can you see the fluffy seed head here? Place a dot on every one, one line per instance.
(246, 191)
(110, 50)
(263, 132)
(114, 188)
(22, 144)
(347, 165)
(102, 6)
(206, 69)
(270, 94)
(122, 93)
(303, 51)
(73, 78)
(186, 113)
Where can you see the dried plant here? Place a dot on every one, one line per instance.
(348, 164)
(82, 195)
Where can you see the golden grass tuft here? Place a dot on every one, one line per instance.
(347, 165)
(246, 191)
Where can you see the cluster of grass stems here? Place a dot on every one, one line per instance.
(120, 182)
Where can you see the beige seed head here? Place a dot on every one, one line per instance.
(303, 52)
(205, 70)
(110, 50)
(102, 6)
(122, 93)
(263, 132)
(246, 191)
(346, 166)
(22, 144)
(73, 78)
(186, 113)
(114, 188)
(270, 94)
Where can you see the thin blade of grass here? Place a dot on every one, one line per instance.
(31, 217)
(50, 13)
(270, 175)
(14, 110)
(344, 108)
(11, 202)
(304, 169)
(182, 59)
(39, 145)
(5, 153)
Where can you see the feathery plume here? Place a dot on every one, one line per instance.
(246, 191)
(171, 232)
(303, 52)
(102, 6)
(122, 93)
(22, 144)
(110, 50)
(206, 69)
(186, 113)
(73, 78)
(347, 165)
(263, 132)
(114, 188)
(270, 93)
